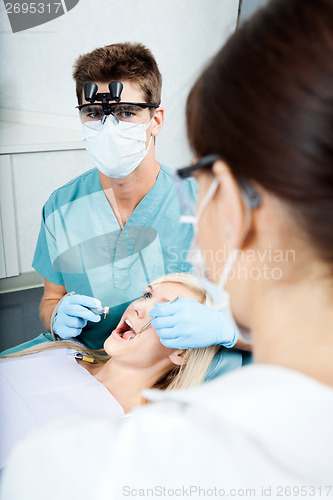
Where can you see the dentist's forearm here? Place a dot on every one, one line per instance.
(52, 295)
(46, 310)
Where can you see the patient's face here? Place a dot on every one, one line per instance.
(145, 349)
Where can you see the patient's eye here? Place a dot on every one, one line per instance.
(147, 295)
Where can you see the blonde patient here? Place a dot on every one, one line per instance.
(48, 382)
(139, 361)
(131, 362)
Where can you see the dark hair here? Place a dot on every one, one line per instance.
(120, 61)
(265, 106)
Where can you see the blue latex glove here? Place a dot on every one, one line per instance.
(187, 324)
(73, 315)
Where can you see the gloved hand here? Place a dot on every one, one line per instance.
(73, 315)
(187, 324)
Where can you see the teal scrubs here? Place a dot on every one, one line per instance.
(227, 360)
(82, 247)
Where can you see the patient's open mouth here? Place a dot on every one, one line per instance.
(125, 330)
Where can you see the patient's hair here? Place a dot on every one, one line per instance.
(179, 377)
(120, 61)
(198, 360)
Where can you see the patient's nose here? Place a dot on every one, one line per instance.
(139, 311)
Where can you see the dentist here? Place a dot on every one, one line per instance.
(106, 234)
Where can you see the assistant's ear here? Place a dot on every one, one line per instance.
(158, 121)
(177, 357)
(231, 202)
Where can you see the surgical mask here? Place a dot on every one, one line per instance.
(116, 147)
(217, 291)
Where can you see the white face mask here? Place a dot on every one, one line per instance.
(115, 148)
(220, 296)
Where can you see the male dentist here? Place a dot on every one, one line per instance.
(106, 234)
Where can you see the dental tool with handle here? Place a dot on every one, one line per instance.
(81, 307)
(149, 322)
(102, 311)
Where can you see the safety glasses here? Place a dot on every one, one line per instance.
(205, 163)
(125, 111)
(185, 194)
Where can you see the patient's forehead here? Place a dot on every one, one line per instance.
(165, 292)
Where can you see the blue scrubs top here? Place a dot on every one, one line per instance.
(82, 247)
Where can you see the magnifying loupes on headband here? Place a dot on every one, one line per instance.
(91, 95)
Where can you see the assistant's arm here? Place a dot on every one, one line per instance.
(52, 295)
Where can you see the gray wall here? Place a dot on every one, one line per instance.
(183, 34)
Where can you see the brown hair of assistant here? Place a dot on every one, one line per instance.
(265, 106)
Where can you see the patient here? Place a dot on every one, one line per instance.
(47, 382)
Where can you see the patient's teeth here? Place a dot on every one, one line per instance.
(129, 323)
(131, 337)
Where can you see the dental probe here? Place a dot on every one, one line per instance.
(149, 322)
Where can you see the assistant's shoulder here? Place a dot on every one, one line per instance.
(82, 185)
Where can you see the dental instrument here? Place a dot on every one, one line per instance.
(149, 322)
(102, 311)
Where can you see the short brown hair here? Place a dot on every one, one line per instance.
(265, 106)
(120, 61)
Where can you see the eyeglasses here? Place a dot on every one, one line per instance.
(124, 111)
(186, 199)
(205, 163)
